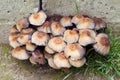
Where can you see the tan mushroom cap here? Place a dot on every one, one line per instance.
(86, 23)
(14, 29)
(103, 44)
(45, 27)
(71, 36)
(57, 44)
(13, 36)
(30, 46)
(40, 38)
(47, 55)
(61, 61)
(66, 21)
(23, 23)
(74, 51)
(86, 37)
(14, 43)
(77, 18)
(49, 50)
(38, 18)
(78, 63)
(20, 53)
(57, 28)
(27, 31)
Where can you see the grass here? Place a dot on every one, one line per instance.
(107, 66)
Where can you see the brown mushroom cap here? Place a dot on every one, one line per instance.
(49, 50)
(30, 46)
(57, 44)
(66, 21)
(61, 61)
(14, 29)
(86, 37)
(14, 43)
(27, 31)
(77, 18)
(47, 55)
(20, 53)
(71, 36)
(74, 51)
(38, 18)
(13, 36)
(86, 23)
(40, 38)
(103, 44)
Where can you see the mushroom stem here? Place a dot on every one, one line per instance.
(40, 5)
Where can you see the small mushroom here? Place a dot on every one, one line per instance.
(74, 51)
(71, 36)
(14, 43)
(57, 44)
(20, 53)
(103, 44)
(78, 63)
(13, 36)
(57, 28)
(37, 57)
(61, 61)
(23, 23)
(14, 29)
(27, 31)
(38, 18)
(66, 21)
(49, 50)
(47, 55)
(86, 23)
(40, 38)
(77, 18)
(30, 46)
(86, 37)
(45, 27)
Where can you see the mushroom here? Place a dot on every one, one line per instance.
(57, 28)
(24, 38)
(57, 44)
(49, 50)
(23, 23)
(13, 36)
(77, 18)
(38, 18)
(47, 55)
(52, 64)
(74, 51)
(27, 31)
(14, 43)
(37, 57)
(66, 21)
(14, 29)
(71, 36)
(20, 53)
(86, 37)
(30, 46)
(99, 23)
(45, 27)
(40, 38)
(86, 23)
(77, 63)
(103, 44)
(61, 61)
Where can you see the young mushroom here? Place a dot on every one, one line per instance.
(14, 29)
(40, 38)
(38, 18)
(61, 61)
(86, 23)
(14, 43)
(13, 36)
(27, 31)
(74, 51)
(20, 53)
(57, 29)
(86, 37)
(66, 21)
(57, 44)
(71, 36)
(30, 46)
(49, 50)
(77, 18)
(103, 44)
(23, 23)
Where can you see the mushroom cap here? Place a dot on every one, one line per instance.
(38, 18)
(86, 23)
(30, 46)
(52, 64)
(77, 18)
(61, 61)
(45, 27)
(77, 63)
(13, 36)
(27, 31)
(57, 44)
(47, 55)
(57, 28)
(49, 50)
(14, 43)
(86, 37)
(71, 36)
(66, 21)
(99, 23)
(23, 23)
(40, 38)
(23, 38)
(74, 51)
(103, 44)
(20, 53)
(14, 29)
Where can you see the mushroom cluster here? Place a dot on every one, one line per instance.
(60, 41)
